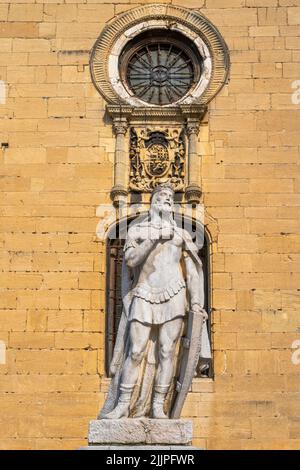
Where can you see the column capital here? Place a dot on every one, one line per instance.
(120, 125)
(193, 194)
(192, 126)
(118, 195)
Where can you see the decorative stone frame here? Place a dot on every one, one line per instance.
(104, 62)
(127, 110)
(189, 117)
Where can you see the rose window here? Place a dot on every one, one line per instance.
(160, 68)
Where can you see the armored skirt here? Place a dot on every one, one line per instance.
(157, 306)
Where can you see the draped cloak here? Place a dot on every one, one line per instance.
(142, 395)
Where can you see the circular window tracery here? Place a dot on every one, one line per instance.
(109, 78)
(160, 68)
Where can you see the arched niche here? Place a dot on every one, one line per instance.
(115, 240)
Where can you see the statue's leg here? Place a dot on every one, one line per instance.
(169, 333)
(139, 335)
(138, 338)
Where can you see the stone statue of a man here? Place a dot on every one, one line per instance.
(156, 297)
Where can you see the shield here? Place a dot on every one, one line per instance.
(157, 161)
(191, 347)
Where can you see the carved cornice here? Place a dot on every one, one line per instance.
(119, 111)
(193, 111)
(176, 113)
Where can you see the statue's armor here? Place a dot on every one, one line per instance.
(159, 294)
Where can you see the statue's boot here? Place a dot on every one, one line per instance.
(158, 411)
(123, 405)
(120, 411)
(160, 392)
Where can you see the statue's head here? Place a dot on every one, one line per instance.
(162, 199)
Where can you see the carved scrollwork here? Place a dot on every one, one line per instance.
(156, 156)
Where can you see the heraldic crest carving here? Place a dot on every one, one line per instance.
(156, 156)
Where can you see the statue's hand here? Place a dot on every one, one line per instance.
(112, 369)
(155, 233)
(167, 231)
(197, 309)
(164, 232)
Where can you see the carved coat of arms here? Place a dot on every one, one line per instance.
(156, 157)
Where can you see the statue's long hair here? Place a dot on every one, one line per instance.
(146, 218)
(153, 199)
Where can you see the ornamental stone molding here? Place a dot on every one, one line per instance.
(195, 27)
(158, 67)
(173, 157)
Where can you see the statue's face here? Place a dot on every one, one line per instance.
(164, 201)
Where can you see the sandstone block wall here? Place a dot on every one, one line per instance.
(56, 162)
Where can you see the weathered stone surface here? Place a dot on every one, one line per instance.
(53, 181)
(140, 431)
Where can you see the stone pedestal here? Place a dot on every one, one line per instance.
(140, 432)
